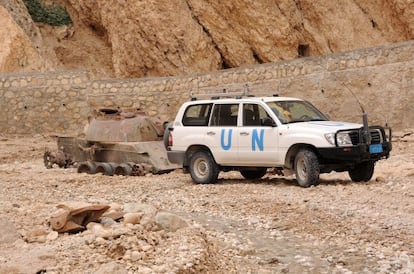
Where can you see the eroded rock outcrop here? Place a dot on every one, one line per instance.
(17, 51)
(185, 36)
(162, 38)
(150, 38)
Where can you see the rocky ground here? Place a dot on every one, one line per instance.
(234, 226)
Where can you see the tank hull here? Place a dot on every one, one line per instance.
(115, 142)
(152, 153)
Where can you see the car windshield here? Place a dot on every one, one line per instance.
(296, 111)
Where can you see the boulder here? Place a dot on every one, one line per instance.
(138, 207)
(169, 221)
(132, 218)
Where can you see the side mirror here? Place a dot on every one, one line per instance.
(268, 122)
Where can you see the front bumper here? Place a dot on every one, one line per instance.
(352, 154)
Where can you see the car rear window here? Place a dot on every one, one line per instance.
(225, 115)
(197, 115)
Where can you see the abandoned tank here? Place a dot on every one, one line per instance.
(114, 142)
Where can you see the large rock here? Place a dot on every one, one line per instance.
(147, 209)
(169, 221)
(17, 52)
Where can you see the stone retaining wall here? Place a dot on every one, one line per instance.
(61, 102)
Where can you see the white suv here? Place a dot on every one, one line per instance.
(253, 134)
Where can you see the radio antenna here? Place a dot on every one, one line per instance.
(355, 97)
(365, 132)
(365, 129)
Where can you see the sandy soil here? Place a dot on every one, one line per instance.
(235, 226)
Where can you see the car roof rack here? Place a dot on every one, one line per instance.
(224, 94)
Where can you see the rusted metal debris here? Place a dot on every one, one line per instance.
(73, 217)
(60, 158)
(116, 142)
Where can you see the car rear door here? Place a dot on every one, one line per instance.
(257, 143)
(221, 136)
(193, 126)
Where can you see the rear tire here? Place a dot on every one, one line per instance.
(253, 173)
(306, 168)
(203, 168)
(362, 172)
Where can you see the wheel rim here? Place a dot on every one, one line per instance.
(301, 169)
(201, 168)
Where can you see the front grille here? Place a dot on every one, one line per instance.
(356, 136)
(376, 137)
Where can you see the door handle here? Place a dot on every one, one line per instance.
(211, 133)
(244, 133)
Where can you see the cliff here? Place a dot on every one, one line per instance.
(174, 37)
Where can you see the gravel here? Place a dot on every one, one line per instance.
(235, 226)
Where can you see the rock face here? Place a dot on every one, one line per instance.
(21, 16)
(17, 51)
(150, 38)
(161, 38)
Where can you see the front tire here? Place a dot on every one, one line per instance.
(203, 168)
(253, 173)
(306, 168)
(362, 172)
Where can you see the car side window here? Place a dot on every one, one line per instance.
(254, 115)
(225, 115)
(197, 115)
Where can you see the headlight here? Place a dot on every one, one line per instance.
(342, 139)
(330, 137)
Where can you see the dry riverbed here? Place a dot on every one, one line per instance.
(235, 226)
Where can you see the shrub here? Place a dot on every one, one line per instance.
(55, 16)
